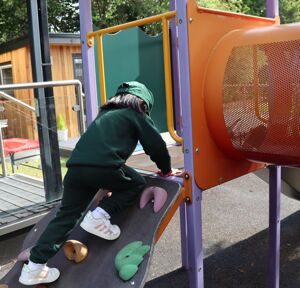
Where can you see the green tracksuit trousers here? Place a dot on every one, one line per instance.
(80, 186)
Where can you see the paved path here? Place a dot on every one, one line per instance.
(235, 238)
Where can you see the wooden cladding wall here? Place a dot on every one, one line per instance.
(65, 97)
(21, 121)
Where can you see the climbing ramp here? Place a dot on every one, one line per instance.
(98, 270)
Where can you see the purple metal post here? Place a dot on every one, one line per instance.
(89, 74)
(274, 226)
(174, 35)
(272, 8)
(274, 197)
(193, 211)
(175, 76)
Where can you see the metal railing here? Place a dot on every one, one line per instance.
(75, 83)
(34, 85)
(3, 124)
(13, 99)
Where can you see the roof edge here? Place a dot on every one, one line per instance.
(54, 38)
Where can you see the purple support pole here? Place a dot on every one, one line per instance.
(175, 75)
(274, 197)
(272, 8)
(274, 226)
(89, 74)
(193, 211)
(175, 67)
(184, 236)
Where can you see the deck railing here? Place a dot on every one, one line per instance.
(34, 85)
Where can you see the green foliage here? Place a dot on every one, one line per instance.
(13, 20)
(216, 4)
(250, 7)
(290, 11)
(108, 13)
(33, 168)
(63, 14)
(61, 124)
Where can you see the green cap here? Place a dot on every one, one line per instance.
(138, 89)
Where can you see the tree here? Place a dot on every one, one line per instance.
(13, 20)
(63, 14)
(289, 9)
(251, 7)
(62, 17)
(112, 12)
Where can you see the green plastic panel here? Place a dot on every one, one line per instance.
(132, 55)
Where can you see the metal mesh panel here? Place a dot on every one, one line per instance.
(261, 101)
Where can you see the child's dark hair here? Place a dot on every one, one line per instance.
(126, 101)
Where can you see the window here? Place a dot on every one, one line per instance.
(78, 74)
(77, 64)
(6, 76)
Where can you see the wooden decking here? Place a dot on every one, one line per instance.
(22, 202)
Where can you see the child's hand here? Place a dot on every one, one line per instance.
(173, 172)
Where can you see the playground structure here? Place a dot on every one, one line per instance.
(233, 120)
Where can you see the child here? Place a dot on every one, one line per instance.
(98, 161)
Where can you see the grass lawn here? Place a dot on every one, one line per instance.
(33, 168)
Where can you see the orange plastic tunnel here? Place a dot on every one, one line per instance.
(245, 93)
(253, 108)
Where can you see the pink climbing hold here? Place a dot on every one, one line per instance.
(159, 195)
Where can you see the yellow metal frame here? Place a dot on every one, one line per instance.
(256, 86)
(167, 60)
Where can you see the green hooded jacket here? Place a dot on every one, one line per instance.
(112, 137)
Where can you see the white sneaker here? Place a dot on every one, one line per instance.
(43, 275)
(100, 227)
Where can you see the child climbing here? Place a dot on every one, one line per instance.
(98, 161)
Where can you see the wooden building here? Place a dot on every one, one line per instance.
(15, 67)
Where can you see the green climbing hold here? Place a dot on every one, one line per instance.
(129, 258)
(128, 271)
(132, 259)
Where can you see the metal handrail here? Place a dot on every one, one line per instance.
(256, 86)
(131, 24)
(167, 61)
(13, 99)
(3, 124)
(20, 86)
